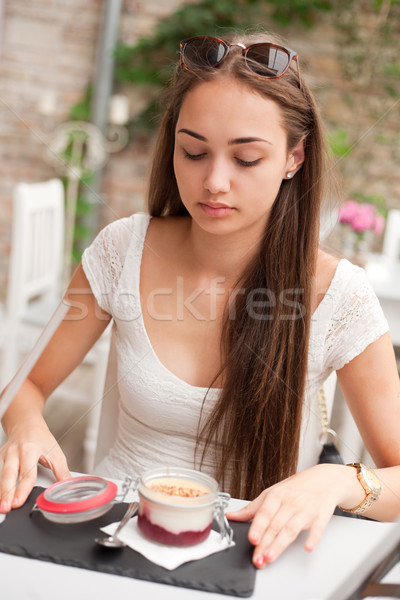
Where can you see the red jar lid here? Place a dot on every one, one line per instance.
(77, 494)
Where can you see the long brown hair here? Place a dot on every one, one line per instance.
(254, 427)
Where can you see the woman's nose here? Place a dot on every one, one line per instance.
(217, 179)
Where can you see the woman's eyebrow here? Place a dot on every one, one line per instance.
(248, 140)
(243, 140)
(194, 134)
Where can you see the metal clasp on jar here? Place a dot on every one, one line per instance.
(225, 529)
(128, 484)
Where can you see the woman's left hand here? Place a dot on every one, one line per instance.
(305, 500)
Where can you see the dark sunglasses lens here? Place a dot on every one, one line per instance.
(267, 61)
(201, 53)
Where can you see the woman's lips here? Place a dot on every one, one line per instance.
(217, 210)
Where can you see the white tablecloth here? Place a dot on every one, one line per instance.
(348, 551)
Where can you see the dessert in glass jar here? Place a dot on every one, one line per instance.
(177, 505)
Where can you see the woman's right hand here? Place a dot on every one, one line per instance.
(19, 458)
(29, 439)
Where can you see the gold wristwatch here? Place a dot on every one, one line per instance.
(372, 487)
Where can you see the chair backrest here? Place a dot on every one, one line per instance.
(108, 418)
(391, 240)
(37, 244)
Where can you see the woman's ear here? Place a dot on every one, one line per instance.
(296, 158)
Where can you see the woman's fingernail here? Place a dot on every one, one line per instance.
(269, 556)
(15, 502)
(310, 547)
(259, 561)
(4, 507)
(254, 538)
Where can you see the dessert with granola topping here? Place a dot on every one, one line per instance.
(176, 506)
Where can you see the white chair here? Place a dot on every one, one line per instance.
(349, 441)
(388, 275)
(391, 240)
(34, 291)
(104, 422)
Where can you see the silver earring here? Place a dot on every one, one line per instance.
(289, 174)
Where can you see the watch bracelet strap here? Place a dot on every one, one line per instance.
(360, 508)
(370, 496)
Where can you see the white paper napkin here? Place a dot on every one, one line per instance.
(169, 557)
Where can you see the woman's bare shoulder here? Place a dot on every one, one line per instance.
(326, 269)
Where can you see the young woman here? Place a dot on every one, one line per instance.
(227, 315)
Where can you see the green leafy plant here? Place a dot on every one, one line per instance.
(339, 143)
(81, 110)
(286, 11)
(151, 60)
(84, 208)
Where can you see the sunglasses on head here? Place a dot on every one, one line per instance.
(266, 60)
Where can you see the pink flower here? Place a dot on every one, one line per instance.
(348, 210)
(362, 221)
(379, 224)
(362, 217)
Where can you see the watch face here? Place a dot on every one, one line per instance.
(371, 479)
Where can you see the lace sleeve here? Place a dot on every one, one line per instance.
(103, 260)
(356, 322)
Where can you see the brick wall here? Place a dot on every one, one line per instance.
(51, 45)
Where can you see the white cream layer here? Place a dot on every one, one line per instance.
(176, 520)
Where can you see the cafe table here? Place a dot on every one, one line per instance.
(348, 552)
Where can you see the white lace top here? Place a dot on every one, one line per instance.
(159, 412)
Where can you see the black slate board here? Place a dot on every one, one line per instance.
(32, 535)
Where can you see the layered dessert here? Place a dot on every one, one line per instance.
(177, 510)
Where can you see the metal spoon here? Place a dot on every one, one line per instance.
(113, 541)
